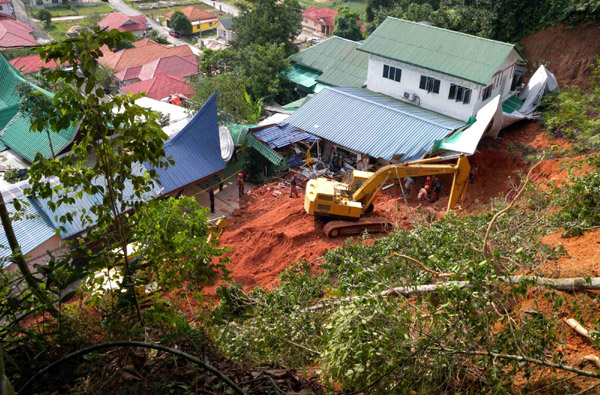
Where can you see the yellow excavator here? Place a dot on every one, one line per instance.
(354, 196)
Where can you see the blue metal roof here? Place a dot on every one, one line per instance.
(372, 123)
(32, 229)
(282, 135)
(83, 205)
(196, 150)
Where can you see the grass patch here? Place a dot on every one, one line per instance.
(59, 11)
(59, 29)
(359, 6)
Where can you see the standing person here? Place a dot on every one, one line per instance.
(473, 172)
(423, 194)
(428, 182)
(293, 189)
(240, 182)
(408, 181)
(211, 196)
(437, 189)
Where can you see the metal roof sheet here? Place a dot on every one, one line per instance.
(338, 60)
(264, 150)
(32, 228)
(15, 127)
(372, 123)
(457, 54)
(282, 135)
(196, 150)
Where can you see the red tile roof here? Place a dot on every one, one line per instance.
(160, 87)
(170, 65)
(194, 14)
(4, 1)
(15, 34)
(32, 64)
(124, 23)
(144, 42)
(133, 57)
(323, 16)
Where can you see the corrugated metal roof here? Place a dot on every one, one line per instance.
(372, 123)
(302, 76)
(457, 54)
(282, 135)
(338, 60)
(15, 127)
(196, 150)
(31, 229)
(238, 132)
(83, 205)
(264, 150)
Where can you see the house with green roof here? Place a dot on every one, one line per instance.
(448, 72)
(334, 62)
(15, 130)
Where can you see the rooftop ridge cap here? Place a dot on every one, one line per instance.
(391, 108)
(451, 31)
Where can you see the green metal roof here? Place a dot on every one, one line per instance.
(15, 127)
(511, 105)
(303, 76)
(457, 54)
(238, 131)
(338, 60)
(293, 106)
(264, 150)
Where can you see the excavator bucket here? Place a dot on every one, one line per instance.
(460, 182)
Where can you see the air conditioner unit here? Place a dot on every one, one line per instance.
(410, 95)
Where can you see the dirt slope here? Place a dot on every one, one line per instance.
(568, 51)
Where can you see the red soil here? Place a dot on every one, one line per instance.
(581, 257)
(567, 52)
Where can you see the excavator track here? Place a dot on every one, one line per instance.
(370, 224)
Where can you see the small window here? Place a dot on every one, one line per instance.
(305, 20)
(315, 23)
(487, 92)
(39, 2)
(459, 94)
(392, 73)
(430, 84)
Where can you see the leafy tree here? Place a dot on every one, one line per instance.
(268, 22)
(120, 143)
(124, 44)
(159, 38)
(230, 99)
(180, 23)
(105, 78)
(45, 16)
(346, 26)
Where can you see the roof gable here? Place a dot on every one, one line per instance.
(116, 20)
(194, 14)
(452, 53)
(196, 150)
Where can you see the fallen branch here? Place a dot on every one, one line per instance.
(560, 284)
(521, 358)
(425, 268)
(594, 360)
(577, 327)
(487, 251)
(158, 347)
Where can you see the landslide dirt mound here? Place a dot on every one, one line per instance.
(568, 51)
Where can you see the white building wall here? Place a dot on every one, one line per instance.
(6, 9)
(438, 102)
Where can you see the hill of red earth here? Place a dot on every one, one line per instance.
(567, 51)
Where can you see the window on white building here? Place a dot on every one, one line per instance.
(392, 73)
(39, 2)
(305, 20)
(430, 84)
(487, 92)
(459, 94)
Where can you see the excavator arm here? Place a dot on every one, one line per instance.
(367, 192)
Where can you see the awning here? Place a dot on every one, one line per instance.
(264, 150)
(303, 76)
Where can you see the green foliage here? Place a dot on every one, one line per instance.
(346, 26)
(574, 114)
(124, 44)
(180, 23)
(159, 38)
(45, 16)
(173, 243)
(105, 78)
(580, 203)
(504, 20)
(230, 98)
(262, 67)
(267, 23)
(256, 108)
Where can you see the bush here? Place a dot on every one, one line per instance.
(581, 202)
(159, 38)
(45, 16)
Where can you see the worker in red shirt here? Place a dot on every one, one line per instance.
(240, 182)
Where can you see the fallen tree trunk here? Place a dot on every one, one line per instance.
(561, 284)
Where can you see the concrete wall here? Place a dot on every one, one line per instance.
(6, 9)
(439, 102)
(315, 26)
(226, 34)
